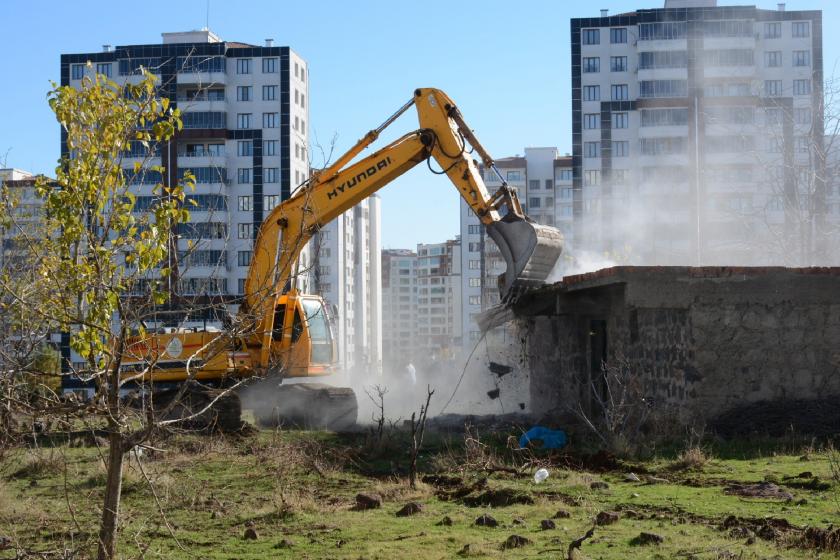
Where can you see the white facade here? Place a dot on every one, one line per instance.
(691, 125)
(245, 112)
(438, 269)
(347, 273)
(399, 308)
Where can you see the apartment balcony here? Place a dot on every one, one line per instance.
(203, 79)
(201, 104)
(202, 159)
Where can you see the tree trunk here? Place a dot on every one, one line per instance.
(113, 492)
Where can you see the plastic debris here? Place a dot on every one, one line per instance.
(551, 439)
(540, 475)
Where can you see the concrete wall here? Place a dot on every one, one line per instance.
(704, 341)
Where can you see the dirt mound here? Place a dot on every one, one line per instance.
(821, 539)
(766, 490)
(817, 417)
(498, 498)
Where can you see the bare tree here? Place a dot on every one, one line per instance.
(418, 430)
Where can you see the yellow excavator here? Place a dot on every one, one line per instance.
(283, 333)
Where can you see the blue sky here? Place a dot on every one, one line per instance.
(506, 64)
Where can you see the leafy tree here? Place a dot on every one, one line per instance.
(94, 253)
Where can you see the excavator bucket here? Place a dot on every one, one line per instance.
(530, 251)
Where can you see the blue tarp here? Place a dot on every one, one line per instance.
(551, 439)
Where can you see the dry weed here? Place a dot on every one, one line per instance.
(692, 458)
(399, 489)
(40, 464)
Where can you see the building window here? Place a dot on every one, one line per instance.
(591, 178)
(533, 202)
(244, 148)
(549, 184)
(773, 88)
(620, 92)
(802, 58)
(620, 120)
(618, 64)
(474, 247)
(662, 31)
(269, 65)
(243, 258)
(590, 36)
(270, 175)
(802, 116)
(801, 87)
(243, 175)
(77, 71)
(270, 201)
(269, 147)
(475, 300)
(245, 231)
(618, 35)
(534, 184)
(270, 120)
(243, 65)
(244, 204)
(514, 175)
(729, 57)
(619, 176)
(801, 29)
(104, 69)
(773, 59)
(662, 88)
(475, 264)
(243, 120)
(592, 64)
(475, 282)
(474, 229)
(773, 30)
(269, 93)
(620, 148)
(303, 74)
(566, 193)
(591, 93)
(662, 146)
(243, 93)
(650, 60)
(591, 149)
(240, 286)
(591, 121)
(302, 100)
(565, 175)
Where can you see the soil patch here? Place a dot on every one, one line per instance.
(498, 498)
(766, 490)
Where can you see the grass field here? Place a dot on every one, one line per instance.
(198, 496)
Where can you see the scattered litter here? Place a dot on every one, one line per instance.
(631, 477)
(540, 475)
(551, 439)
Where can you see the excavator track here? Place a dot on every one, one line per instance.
(202, 408)
(311, 406)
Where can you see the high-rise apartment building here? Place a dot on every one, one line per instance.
(347, 273)
(438, 269)
(245, 113)
(543, 180)
(399, 308)
(698, 133)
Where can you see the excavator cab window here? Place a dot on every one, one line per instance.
(319, 331)
(279, 315)
(297, 327)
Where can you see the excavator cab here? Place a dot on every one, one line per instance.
(302, 342)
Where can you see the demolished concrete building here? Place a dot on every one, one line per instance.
(705, 342)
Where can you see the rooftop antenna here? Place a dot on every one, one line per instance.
(207, 16)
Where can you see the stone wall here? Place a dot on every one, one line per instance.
(702, 341)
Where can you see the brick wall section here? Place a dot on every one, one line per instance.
(704, 340)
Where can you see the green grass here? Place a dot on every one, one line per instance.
(300, 486)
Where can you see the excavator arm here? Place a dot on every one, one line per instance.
(530, 250)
